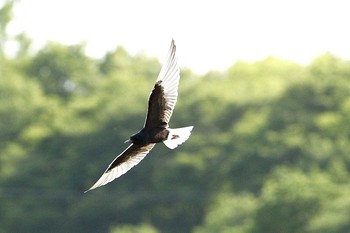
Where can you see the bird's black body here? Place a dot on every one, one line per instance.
(150, 135)
(161, 104)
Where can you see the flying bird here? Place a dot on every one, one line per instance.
(161, 104)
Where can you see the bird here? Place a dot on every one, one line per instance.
(161, 104)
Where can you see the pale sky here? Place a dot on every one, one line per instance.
(209, 34)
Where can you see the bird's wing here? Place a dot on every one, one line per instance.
(163, 97)
(123, 163)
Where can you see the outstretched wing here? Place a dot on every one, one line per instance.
(163, 97)
(123, 163)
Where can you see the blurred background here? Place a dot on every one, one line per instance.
(266, 85)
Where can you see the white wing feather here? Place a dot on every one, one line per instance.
(170, 77)
(110, 175)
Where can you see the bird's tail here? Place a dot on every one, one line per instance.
(178, 136)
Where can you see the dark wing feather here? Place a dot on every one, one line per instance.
(163, 97)
(156, 107)
(130, 157)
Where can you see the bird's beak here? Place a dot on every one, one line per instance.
(128, 141)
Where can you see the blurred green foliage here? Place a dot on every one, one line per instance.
(269, 151)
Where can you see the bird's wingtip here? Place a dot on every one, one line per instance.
(173, 44)
(89, 190)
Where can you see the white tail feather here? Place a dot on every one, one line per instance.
(178, 136)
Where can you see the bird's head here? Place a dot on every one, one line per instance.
(138, 138)
(132, 139)
(128, 141)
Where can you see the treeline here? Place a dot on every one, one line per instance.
(269, 150)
